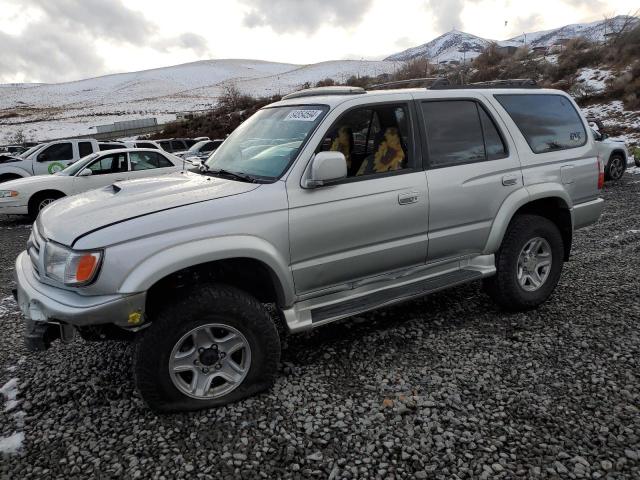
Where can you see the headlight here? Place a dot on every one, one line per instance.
(8, 193)
(70, 267)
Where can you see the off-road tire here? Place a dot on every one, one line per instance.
(616, 174)
(504, 287)
(212, 303)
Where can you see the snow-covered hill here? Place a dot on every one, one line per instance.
(453, 45)
(45, 111)
(456, 45)
(594, 32)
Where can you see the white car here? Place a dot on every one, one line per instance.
(27, 196)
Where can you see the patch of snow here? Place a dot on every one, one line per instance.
(595, 79)
(12, 444)
(9, 391)
(8, 306)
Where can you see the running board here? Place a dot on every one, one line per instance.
(319, 311)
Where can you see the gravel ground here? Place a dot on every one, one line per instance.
(444, 387)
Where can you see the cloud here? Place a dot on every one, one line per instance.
(107, 19)
(43, 52)
(447, 14)
(291, 16)
(61, 44)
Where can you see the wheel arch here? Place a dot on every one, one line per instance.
(547, 200)
(43, 193)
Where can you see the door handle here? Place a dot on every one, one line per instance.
(408, 198)
(509, 180)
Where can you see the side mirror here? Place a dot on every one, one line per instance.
(43, 157)
(85, 173)
(326, 167)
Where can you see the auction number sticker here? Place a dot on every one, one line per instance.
(303, 115)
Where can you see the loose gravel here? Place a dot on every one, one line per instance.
(444, 387)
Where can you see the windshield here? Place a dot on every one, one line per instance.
(26, 153)
(265, 145)
(74, 168)
(196, 148)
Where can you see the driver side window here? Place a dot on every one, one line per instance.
(115, 163)
(57, 152)
(373, 139)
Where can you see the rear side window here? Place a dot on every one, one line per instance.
(177, 145)
(166, 146)
(454, 133)
(85, 149)
(148, 161)
(110, 146)
(548, 122)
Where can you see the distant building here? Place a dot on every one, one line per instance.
(540, 50)
(507, 49)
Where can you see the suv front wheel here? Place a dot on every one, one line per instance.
(215, 346)
(529, 264)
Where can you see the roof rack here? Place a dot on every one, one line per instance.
(309, 92)
(506, 83)
(432, 81)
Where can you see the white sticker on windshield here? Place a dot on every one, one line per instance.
(303, 115)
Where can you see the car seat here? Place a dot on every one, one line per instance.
(343, 142)
(389, 153)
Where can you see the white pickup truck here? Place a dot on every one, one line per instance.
(46, 158)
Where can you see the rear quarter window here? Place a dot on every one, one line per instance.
(548, 122)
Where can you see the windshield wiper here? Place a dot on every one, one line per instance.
(243, 177)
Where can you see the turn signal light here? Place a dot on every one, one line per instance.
(85, 268)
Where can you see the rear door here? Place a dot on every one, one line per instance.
(472, 168)
(150, 164)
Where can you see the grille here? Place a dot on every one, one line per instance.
(33, 249)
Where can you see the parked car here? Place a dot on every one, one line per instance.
(46, 158)
(615, 155)
(449, 186)
(142, 144)
(27, 196)
(174, 145)
(200, 151)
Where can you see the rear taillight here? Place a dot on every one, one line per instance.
(600, 173)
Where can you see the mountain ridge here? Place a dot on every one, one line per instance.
(458, 46)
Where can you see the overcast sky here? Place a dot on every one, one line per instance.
(61, 40)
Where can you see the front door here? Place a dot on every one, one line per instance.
(54, 158)
(105, 170)
(472, 169)
(373, 222)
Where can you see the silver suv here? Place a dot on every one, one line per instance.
(329, 203)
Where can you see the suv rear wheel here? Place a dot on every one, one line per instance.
(215, 346)
(529, 264)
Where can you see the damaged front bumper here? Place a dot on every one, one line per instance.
(52, 313)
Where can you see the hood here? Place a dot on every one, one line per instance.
(33, 182)
(614, 140)
(72, 217)
(9, 158)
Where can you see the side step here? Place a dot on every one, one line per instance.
(392, 295)
(316, 311)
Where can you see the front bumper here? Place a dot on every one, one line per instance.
(7, 208)
(43, 304)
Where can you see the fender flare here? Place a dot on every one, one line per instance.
(163, 263)
(517, 200)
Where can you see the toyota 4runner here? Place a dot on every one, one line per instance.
(329, 203)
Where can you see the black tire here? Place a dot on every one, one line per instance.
(37, 202)
(206, 304)
(504, 287)
(616, 167)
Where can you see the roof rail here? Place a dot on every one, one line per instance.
(310, 92)
(506, 83)
(432, 82)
